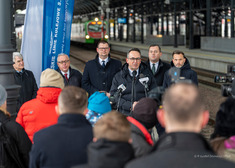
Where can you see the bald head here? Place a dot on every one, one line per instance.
(182, 102)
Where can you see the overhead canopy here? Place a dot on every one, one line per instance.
(87, 7)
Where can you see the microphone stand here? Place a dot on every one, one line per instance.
(132, 91)
(145, 91)
(119, 99)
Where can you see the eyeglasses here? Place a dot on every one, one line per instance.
(134, 59)
(61, 62)
(103, 48)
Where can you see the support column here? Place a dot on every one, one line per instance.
(175, 18)
(208, 17)
(191, 42)
(158, 25)
(142, 23)
(114, 24)
(133, 37)
(6, 69)
(232, 18)
(162, 17)
(167, 24)
(151, 20)
(226, 24)
(127, 24)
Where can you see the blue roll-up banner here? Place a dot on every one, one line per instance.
(57, 19)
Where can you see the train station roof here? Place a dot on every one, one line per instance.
(83, 7)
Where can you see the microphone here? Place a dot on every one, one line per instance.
(117, 95)
(121, 88)
(113, 99)
(143, 80)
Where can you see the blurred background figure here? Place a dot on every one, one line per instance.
(25, 79)
(64, 144)
(98, 104)
(157, 66)
(99, 72)
(144, 118)
(71, 76)
(223, 138)
(111, 143)
(183, 116)
(40, 112)
(180, 61)
(21, 144)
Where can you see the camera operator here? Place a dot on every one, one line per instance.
(228, 88)
(130, 76)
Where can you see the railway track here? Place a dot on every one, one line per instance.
(204, 77)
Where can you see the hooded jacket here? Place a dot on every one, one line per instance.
(185, 71)
(40, 112)
(21, 139)
(75, 78)
(142, 142)
(105, 154)
(123, 77)
(28, 88)
(97, 78)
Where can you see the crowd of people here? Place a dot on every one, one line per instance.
(69, 121)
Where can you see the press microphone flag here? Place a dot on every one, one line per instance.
(143, 80)
(121, 88)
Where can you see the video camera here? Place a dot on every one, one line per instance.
(174, 74)
(227, 89)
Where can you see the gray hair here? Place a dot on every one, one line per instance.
(61, 54)
(16, 54)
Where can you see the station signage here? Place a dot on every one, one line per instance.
(122, 20)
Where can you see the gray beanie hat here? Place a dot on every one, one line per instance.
(3, 95)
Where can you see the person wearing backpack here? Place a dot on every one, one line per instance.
(14, 142)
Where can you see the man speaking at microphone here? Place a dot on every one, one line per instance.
(129, 76)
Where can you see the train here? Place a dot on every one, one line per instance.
(89, 32)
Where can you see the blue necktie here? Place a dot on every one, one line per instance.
(103, 65)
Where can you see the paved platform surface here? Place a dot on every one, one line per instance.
(213, 61)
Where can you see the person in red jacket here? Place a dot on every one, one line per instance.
(40, 112)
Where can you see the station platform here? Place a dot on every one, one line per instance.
(207, 60)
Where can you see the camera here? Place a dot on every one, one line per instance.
(228, 88)
(174, 74)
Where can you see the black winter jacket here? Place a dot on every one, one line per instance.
(159, 74)
(106, 154)
(181, 150)
(186, 72)
(28, 88)
(123, 77)
(21, 139)
(139, 142)
(97, 78)
(75, 77)
(63, 144)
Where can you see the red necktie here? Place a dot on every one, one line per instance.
(66, 76)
